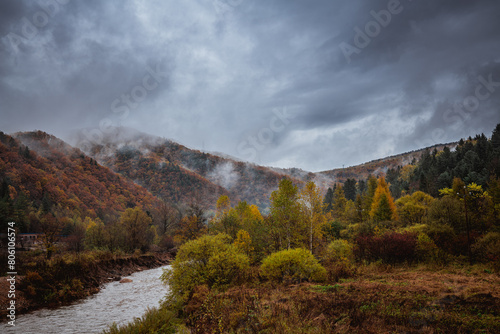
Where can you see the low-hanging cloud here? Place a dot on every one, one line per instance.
(224, 175)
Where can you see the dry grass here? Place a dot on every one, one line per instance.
(378, 300)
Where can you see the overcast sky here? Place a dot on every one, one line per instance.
(314, 84)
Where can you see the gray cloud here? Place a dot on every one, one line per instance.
(227, 67)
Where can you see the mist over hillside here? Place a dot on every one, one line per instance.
(178, 174)
(142, 157)
(167, 168)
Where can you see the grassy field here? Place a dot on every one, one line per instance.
(378, 299)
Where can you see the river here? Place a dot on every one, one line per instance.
(116, 302)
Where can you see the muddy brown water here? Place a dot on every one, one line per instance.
(116, 302)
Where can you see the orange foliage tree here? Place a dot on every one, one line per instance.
(383, 207)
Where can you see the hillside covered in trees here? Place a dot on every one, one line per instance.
(179, 174)
(41, 172)
(381, 166)
(451, 197)
(358, 259)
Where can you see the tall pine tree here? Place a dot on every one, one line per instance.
(495, 138)
(368, 196)
(339, 203)
(383, 207)
(350, 189)
(327, 201)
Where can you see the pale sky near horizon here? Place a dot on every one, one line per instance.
(286, 83)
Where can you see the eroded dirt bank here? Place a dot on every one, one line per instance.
(70, 282)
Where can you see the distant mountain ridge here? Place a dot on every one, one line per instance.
(130, 152)
(380, 166)
(179, 174)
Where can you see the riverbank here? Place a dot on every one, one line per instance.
(378, 299)
(71, 277)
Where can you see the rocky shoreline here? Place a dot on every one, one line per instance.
(92, 279)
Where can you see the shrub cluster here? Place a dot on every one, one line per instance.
(487, 248)
(210, 260)
(338, 250)
(339, 260)
(293, 264)
(426, 249)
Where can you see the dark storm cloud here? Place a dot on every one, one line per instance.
(267, 82)
(69, 72)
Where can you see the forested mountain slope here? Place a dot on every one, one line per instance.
(38, 169)
(178, 174)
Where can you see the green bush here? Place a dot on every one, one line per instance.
(296, 264)
(487, 248)
(338, 250)
(227, 267)
(155, 320)
(210, 260)
(338, 260)
(427, 250)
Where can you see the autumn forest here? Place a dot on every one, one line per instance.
(256, 227)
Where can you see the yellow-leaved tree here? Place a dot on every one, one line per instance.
(135, 223)
(413, 209)
(478, 207)
(285, 214)
(223, 205)
(243, 242)
(312, 208)
(226, 219)
(383, 207)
